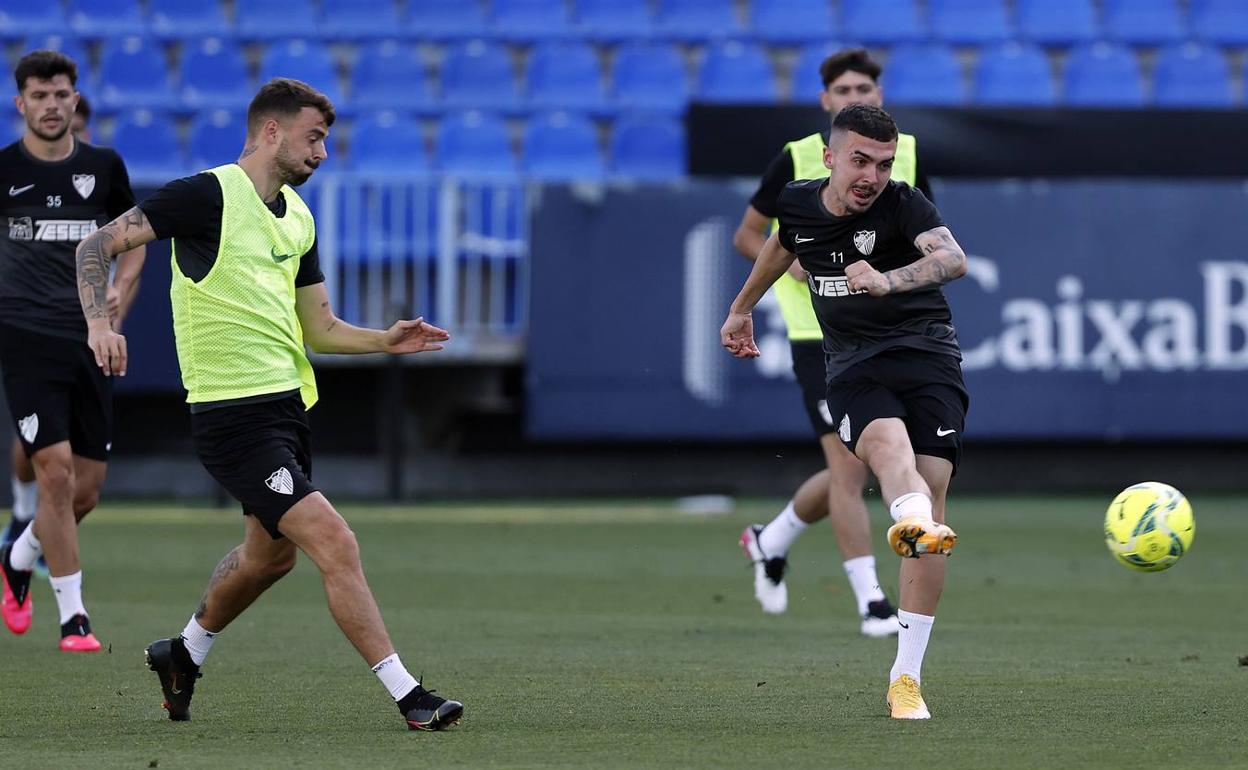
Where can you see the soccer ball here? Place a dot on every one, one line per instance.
(1149, 526)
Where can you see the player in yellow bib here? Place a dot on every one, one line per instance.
(247, 295)
(849, 76)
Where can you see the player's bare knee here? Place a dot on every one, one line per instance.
(85, 502)
(339, 551)
(279, 566)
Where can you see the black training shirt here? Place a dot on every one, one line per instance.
(49, 206)
(189, 209)
(858, 326)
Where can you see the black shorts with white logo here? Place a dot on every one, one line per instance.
(56, 393)
(812, 377)
(260, 452)
(923, 388)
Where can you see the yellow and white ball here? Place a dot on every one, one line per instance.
(1149, 526)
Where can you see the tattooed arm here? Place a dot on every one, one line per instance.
(324, 332)
(943, 261)
(94, 256)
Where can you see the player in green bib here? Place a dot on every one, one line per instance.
(849, 76)
(247, 296)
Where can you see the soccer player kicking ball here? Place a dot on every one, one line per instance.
(247, 294)
(877, 253)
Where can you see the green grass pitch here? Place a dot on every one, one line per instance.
(608, 634)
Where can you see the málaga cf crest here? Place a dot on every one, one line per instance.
(84, 184)
(864, 241)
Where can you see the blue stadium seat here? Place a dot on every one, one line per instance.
(1192, 75)
(32, 19)
(146, 141)
(563, 147)
(928, 74)
(648, 149)
(1015, 74)
(1056, 22)
(304, 60)
(807, 81)
(789, 22)
(882, 22)
(566, 76)
(1224, 22)
(379, 67)
(94, 19)
(970, 22)
(1103, 75)
(276, 19)
(479, 74)
(133, 75)
(442, 20)
(475, 144)
(188, 19)
(529, 20)
(70, 46)
(735, 72)
(650, 77)
(214, 75)
(217, 137)
(360, 19)
(696, 20)
(388, 142)
(1144, 22)
(613, 20)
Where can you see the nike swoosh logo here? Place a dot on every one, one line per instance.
(903, 625)
(19, 190)
(942, 433)
(173, 684)
(800, 239)
(279, 258)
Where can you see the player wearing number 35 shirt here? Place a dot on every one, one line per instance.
(876, 254)
(54, 192)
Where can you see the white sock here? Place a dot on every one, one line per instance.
(778, 536)
(911, 504)
(394, 677)
(26, 550)
(862, 578)
(911, 644)
(25, 499)
(197, 640)
(68, 590)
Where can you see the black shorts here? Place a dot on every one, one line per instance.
(924, 389)
(260, 452)
(56, 393)
(812, 377)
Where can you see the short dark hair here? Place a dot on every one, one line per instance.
(44, 65)
(866, 120)
(83, 108)
(849, 60)
(286, 97)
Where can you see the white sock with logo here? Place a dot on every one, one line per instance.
(394, 677)
(68, 590)
(778, 536)
(862, 578)
(198, 640)
(25, 499)
(911, 504)
(26, 550)
(911, 644)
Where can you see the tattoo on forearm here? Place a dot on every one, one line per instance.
(228, 565)
(942, 262)
(92, 259)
